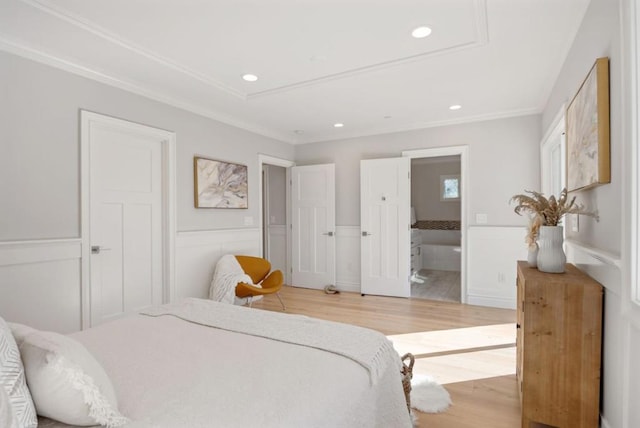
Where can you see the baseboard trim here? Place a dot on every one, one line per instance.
(603, 422)
(495, 302)
(353, 287)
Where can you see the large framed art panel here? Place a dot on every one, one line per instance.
(588, 151)
(219, 184)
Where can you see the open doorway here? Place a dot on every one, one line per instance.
(275, 222)
(439, 221)
(274, 218)
(435, 228)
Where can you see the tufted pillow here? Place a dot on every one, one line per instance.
(67, 383)
(12, 380)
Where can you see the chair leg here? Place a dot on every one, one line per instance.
(250, 301)
(283, 308)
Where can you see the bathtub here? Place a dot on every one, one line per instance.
(440, 250)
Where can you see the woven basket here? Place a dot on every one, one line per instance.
(407, 374)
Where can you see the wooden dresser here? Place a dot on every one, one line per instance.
(559, 338)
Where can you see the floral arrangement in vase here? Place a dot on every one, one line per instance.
(544, 229)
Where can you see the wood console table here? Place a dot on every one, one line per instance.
(559, 339)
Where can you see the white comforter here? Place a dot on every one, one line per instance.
(168, 372)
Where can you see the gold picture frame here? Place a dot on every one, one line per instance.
(587, 133)
(219, 184)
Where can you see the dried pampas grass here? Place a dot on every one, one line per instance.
(551, 210)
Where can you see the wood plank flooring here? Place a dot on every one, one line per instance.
(470, 349)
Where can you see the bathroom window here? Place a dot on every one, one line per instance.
(449, 187)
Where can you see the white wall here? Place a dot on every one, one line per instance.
(492, 180)
(425, 190)
(602, 249)
(39, 168)
(40, 190)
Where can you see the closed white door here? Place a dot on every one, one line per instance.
(313, 226)
(385, 191)
(125, 170)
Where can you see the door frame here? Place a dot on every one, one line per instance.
(87, 120)
(285, 163)
(463, 152)
(554, 137)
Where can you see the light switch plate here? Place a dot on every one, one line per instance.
(248, 221)
(575, 223)
(481, 219)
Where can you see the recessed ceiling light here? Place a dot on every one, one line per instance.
(421, 32)
(338, 125)
(250, 77)
(298, 131)
(388, 117)
(455, 107)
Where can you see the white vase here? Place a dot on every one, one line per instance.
(551, 257)
(532, 256)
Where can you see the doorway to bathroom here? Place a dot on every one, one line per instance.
(437, 221)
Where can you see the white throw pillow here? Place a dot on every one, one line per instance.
(7, 415)
(67, 383)
(20, 331)
(12, 380)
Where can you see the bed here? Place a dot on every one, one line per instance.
(201, 363)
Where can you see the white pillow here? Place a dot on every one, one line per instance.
(7, 415)
(12, 380)
(20, 331)
(67, 383)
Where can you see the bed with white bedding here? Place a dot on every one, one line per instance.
(206, 364)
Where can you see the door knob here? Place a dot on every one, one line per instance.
(96, 249)
(366, 234)
(328, 233)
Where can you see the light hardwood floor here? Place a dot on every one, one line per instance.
(469, 349)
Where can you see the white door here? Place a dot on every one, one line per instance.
(125, 173)
(385, 191)
(313, 226)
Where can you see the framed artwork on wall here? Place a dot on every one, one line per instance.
(219, 184)
(588, 152)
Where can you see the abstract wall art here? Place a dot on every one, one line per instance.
(219, 184)
(587, 121)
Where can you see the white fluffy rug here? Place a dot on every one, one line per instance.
(428, 396)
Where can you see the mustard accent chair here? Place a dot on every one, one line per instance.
(259, 270)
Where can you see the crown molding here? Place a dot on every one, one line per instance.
(421, 125)
(52, 9)
(24, 51)
(19, 49)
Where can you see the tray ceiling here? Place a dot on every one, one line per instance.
(318, 62)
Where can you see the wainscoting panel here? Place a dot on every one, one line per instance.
(491, 267)
(348, 258)
(198, 252)
(40, 284)
(617, 380)
(277, 248)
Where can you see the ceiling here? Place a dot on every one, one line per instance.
(318, 62)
